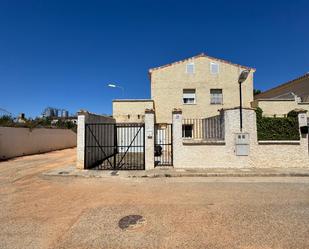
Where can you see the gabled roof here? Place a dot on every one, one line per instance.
(289, 95)
(287, 84)
(197, 56)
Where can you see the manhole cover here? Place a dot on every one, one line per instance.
(131, 222)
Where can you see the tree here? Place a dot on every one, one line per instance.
(256, 91)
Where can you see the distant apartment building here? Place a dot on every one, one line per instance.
(282, 99)
(200, 86)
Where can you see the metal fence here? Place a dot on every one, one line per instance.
(115, 146)
(209, 129)
(163, 146)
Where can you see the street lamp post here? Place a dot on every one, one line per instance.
(116, 86)
(242, 77)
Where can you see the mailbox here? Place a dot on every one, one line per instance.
(304, 129)
(242, 144)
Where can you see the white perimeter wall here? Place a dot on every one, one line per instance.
(261, 155)
(23, 141)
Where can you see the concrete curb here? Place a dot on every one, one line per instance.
(222, 175)
(71, 171)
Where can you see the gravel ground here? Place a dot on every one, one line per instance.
(40, 211)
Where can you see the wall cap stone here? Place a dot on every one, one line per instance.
(149, 111)
(177, 111)
(294, 142)
(300, 110)
(201, 142)
(236, 108)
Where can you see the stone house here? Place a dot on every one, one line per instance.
(192, 120)
(200, 86)
(282, 99)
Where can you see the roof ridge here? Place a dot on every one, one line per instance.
(197, 56)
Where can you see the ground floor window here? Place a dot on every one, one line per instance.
(187, 130)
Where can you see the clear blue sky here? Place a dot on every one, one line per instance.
(63, 53)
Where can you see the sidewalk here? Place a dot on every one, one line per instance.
(171, 172)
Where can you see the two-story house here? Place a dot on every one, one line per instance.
(200, 86)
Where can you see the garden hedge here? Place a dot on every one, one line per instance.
(273, 128)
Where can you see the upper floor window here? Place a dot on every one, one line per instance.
(190, 68)
(214, 68)
(188, 96)
(216, 96)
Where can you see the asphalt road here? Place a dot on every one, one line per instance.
(73, 212)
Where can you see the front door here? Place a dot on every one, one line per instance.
(163, 154)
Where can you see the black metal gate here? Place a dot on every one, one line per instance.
(163, 154)
(115, 146)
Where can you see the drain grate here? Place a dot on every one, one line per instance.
(131, 222)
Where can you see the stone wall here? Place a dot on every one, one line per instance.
(16, 142)
(223, 155)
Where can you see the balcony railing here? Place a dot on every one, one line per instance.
(207, 129)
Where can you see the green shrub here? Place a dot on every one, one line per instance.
(6, 120)
(293, 114)
(269, 128)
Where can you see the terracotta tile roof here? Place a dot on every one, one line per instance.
(197, 56)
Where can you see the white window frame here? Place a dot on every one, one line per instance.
(183, 96)
(190, 64)
(214, 64)
(214, 101)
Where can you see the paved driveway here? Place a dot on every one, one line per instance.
(72, 212)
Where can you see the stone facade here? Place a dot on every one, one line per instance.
(168, 83)
(131, 111)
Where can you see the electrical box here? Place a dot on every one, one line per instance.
(302, 119)
(242, 144)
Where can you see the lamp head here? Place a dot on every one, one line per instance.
(243, 76)
(111, 85)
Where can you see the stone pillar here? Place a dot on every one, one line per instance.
(149, 139)
(302, 121)
(81, 121)
(232, 126)
(177, 137)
